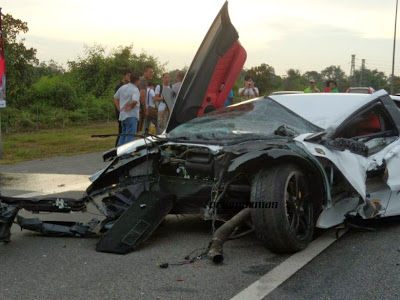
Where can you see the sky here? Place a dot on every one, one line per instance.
(306, 35)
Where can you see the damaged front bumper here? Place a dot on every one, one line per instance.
(9, 207)
(7, 216)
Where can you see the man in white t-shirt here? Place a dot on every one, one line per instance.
(150, 105)
(162, 106)
(249, 91)
(127, 101)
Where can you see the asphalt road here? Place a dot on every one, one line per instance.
(362, 264)
(37, 267)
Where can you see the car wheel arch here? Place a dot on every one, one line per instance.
(249, 163)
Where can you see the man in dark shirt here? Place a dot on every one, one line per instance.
(125, 79)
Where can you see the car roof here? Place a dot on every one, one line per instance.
(325, 109)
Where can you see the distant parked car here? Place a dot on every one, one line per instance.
(360, 90)
(287, 92)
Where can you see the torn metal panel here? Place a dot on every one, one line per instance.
(392, 159)
(7, 216)
(136, 224)
(48, 204)
(393, 208)
(336, 214)
(394, 174)
(352, 166)
(370, 209)
(58, 228)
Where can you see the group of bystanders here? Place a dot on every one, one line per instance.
(138, 103)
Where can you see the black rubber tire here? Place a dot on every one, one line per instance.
(276, 208)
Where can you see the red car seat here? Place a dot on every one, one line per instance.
(371, 124)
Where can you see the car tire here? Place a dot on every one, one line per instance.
(283, 208)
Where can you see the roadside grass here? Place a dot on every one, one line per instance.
(56, 142)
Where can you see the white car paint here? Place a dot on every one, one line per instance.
(335, 215)
(328, 111)
(354, 167)
(134, 145)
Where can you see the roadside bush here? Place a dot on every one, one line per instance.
(99, 108)
(78, 116)
(44, 116)
(53, 91)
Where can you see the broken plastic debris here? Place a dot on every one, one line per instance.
(164, 265)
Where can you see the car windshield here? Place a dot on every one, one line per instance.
(262, 118)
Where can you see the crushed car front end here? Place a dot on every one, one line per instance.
(206, 166)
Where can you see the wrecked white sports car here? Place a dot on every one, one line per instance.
(284, 163)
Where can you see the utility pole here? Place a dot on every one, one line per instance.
(362, 72)
(2, 79)
(353, 60)
(394, 49)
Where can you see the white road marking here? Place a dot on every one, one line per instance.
(271, 280)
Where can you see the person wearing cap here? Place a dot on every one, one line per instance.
(312, 88)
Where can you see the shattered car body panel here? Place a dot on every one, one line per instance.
(355, 174)
(373, 175)
(287, 162)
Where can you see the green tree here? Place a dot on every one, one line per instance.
(97, 73)
(50, 68)
(294, 81)
(333, 73)
(54, 91)
(370, 78)
(396, 85)
(90, 75)
(20, 61)
(337, 74)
